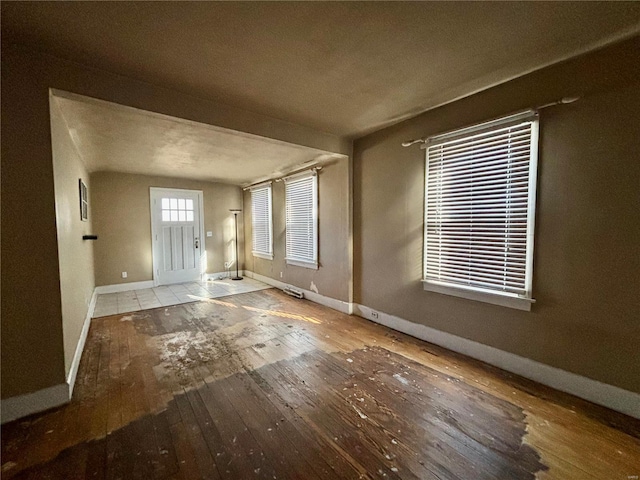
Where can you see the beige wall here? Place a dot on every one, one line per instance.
(32, 339)
(587, 256)
(122, 221)
(33, 323)
(75, 254)
(333, 276)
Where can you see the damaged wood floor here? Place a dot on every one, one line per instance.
(261, 385)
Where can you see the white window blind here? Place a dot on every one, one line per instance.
(261, 222)
(302, 221)
(479, 212)
(84, 201)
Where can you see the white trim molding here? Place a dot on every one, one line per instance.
(20, 406)
(75, 363)
(504, 300)
(341, 306)
(38, 401)
(612, 397)
(300, 263)
(124, 287)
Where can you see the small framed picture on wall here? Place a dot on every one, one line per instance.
(84, 201)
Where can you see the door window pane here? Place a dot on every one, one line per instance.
(177, 210)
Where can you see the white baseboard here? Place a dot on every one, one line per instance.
(123, 287)
(344, 307)
(39, 401)
(75, 363)
(594, 391)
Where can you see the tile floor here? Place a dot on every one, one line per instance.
(134, 300)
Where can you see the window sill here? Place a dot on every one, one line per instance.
(504, 300)
(266, 256)
(300, 263)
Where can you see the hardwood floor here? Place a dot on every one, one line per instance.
(261, 385)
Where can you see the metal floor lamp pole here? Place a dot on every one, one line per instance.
(235, 219)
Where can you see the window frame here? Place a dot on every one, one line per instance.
(267, 255)
(170, 207)
(84, 200)
(506, 299)
(311, 263)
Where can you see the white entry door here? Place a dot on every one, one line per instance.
(176, 225)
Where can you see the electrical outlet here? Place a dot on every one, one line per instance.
(280, 274)
(374, 314)
(124, 274)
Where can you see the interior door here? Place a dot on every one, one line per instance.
(176, 224)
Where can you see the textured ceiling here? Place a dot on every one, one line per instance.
(346, 68)
(112, 137)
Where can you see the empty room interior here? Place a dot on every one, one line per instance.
(320, 240)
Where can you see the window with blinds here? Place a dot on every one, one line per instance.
(261, 222)
(302, 221)
(479, 209)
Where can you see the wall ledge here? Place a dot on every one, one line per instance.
(612, 397)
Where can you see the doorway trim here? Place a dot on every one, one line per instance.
(203, 249)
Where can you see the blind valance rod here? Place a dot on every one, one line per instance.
(257, 185)
(562, 101)
(313, 171)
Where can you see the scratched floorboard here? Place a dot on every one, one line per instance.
(261, 385)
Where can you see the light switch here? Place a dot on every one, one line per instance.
(209, 234)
